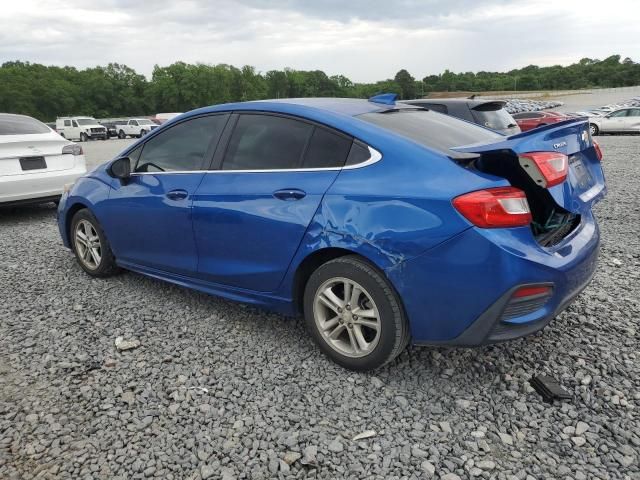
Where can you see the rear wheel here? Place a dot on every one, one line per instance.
(91, 246)
(354, 314)
(593, 129)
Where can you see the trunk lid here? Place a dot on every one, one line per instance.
(584, 184)
(47, 145)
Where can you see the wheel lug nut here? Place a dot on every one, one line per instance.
(339, 310)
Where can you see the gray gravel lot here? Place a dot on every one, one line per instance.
(98, 151)
(221, 390)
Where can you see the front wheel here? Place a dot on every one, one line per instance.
(593, 129)
(142, 133)
(90, 245)
(354, 315)
(121, 135)
(83, 137)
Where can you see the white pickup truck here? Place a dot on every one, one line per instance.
(134, 127)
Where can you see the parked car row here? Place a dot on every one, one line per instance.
(518, 105)
(82, 129)
(376, 220)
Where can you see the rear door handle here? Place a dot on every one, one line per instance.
(289, 194)
(177, 194)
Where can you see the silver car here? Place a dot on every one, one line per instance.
(625, 120)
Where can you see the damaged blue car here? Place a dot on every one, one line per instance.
(382, 223)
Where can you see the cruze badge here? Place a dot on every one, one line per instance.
(559, 145)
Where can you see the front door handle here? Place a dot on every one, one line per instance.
(177, 194)
(289, 194)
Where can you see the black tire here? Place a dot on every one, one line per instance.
(121, 135)
(593, 128)
(83, 137)
(107, 265)
(393, 325)
(142, 133)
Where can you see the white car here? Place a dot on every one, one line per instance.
(35, 162)
(80, 128)
(135, 127)
(625, 120)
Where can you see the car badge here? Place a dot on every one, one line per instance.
(559, 145)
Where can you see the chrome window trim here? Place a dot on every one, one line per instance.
(375, 157)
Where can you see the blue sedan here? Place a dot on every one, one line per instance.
(382, 223)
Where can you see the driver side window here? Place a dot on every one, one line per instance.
(182, 147)
(621, 113)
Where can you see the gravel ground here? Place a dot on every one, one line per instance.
(220, 390)
(98, 151)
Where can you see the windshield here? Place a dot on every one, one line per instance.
(86, 121)
(21, 125)
(494, 119)
(433, 130)
(145, 122)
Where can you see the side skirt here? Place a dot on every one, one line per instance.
(267, 301)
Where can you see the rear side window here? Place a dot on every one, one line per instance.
(326, 149)
(67, 123)
(182, 147)
(439, 132)
(267, 142)
(21, 125)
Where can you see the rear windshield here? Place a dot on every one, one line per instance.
(21, 125)
(495, 119)
(433, 130)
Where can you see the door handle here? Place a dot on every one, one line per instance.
(177, 194)
(289, 194)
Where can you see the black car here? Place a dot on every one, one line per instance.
(111, 129)
(488, 113)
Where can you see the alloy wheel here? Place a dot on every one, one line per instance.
(88, 245)
(347, 317)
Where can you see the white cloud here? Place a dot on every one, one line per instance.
(365, 40)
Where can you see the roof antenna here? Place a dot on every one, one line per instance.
(385, 98)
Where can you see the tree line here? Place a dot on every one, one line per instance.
(46, 92)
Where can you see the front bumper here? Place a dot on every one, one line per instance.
(457, 292)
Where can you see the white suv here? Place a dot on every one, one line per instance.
(80, 128)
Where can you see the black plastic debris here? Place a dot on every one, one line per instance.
(549, 388)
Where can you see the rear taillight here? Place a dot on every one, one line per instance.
(596, 147)
(495, 207)
(545, 168)
(73, 149)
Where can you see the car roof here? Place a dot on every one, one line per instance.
(340, 106)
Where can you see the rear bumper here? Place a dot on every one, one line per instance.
(36, 186)
(457, 292)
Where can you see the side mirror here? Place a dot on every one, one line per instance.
(120, 168)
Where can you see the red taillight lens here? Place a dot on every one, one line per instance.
(532, 291)
(495, 207)
(546, 168)
(596, 147)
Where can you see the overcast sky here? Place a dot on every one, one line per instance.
(366, 40)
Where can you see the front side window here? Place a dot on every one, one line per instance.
(619, 113)
(266, 142)
(133, 122)
(182, 147)
(634, 112)
(74, 123)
